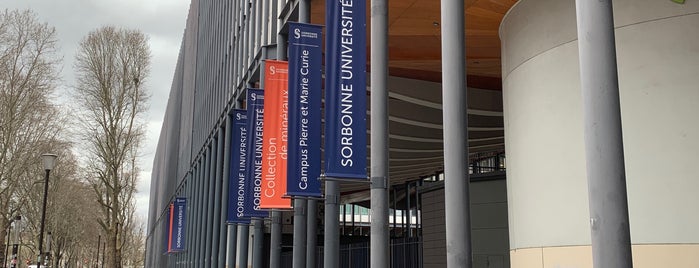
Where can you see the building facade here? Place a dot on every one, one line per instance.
(529, 204)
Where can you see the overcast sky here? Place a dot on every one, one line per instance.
(162, 20)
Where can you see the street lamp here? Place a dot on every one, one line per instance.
(49, 160)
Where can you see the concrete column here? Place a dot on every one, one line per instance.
(604, 146)
(454, 118)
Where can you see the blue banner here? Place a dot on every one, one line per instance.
(237, 173)
(253, 180)
(179, 217)
(305, 67)
(345, 89)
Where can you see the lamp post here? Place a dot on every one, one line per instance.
(49, 160)
(47, 253)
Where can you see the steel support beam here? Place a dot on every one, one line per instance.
(379, 237)
(604, 150)
(455, 121)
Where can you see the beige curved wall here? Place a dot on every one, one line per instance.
(658, 60)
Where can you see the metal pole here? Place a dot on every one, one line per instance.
(299, 249)
(99, 244)
(258, 243)
(343, 214)
(395, 211)
(209, 194)
(243, 237)
(604, 150)
(455, 121)
(43, 219)
(305, 11)
(300, 205)
(15, 245)
(408, 210)
(311, 233)
(232, 246)
(379, 236)
(275, 243)
(217, 213)
(352, 218)
(202, 209)
(276, 224)
(223, 230)
(191, 187)
(331, 248)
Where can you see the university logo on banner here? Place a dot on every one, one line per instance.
(305, 68)
(253, 180)
(345, 89)
(178, 220)
(275, 136)
(237, 173)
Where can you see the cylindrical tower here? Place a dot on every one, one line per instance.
(658, 60)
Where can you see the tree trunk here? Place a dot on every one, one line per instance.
(112, 259)
(4, 224)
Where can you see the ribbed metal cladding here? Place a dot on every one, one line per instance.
(216, 63)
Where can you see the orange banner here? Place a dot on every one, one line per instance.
(275, 136)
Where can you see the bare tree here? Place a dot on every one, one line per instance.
(29, 122)
(111, 66)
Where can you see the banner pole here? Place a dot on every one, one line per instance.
(243, 240)
(331, 244)
(216, 251)
(258, 243)
(300, 205)
(379, 238)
